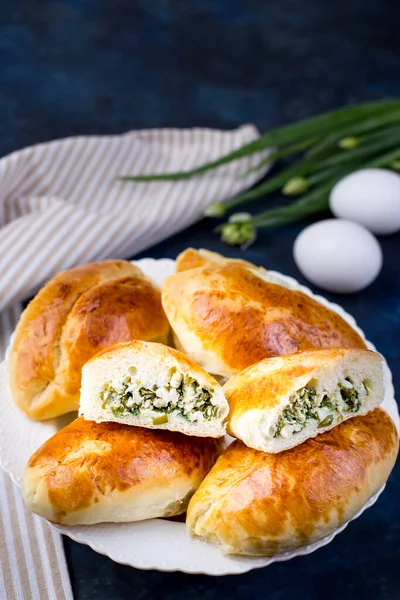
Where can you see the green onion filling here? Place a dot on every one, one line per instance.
(304, 408)
(183, 395)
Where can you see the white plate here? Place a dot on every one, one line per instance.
(155, 544)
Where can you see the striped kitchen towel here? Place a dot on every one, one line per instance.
(32, 561)
(62, 204)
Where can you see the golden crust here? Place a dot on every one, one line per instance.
(263, 385)
(89, 468)
(229, 317)
(263, 504)
(76, 314)
(191, 259)
(158, 352)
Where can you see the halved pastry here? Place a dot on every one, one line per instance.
(264, 504)
(280, 402)
(152, 385)
(75, 315)
(105, 472)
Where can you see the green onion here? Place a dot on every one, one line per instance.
(295, 186)
(395, 165)
(315, 126)
(160, 420)
(274, 156)
(325, 148)
(348, 143)
(355, 128)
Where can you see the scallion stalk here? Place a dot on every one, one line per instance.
(325, 148)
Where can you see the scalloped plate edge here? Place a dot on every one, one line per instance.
(155, 268)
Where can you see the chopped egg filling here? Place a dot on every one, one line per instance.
(180, 395)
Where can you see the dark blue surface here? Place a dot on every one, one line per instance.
(107, 66)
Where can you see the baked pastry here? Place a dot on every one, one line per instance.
(227, 318)
(105, 472)
(75, 315)
(280, 402)
(191, 259)
(264, 504)
(152, 385)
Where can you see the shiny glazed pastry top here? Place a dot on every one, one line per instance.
(76, 314)
(227, 317)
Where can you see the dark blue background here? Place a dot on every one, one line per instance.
(106, 66)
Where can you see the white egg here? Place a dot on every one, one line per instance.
(338, 255)
(370, 197)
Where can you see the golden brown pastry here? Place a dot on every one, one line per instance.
(280, 402)
(152, 385)
(75, 315)
(106, 472)
(264, 504)
(191, 259)
(227, 317)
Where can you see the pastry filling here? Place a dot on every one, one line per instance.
(307, 407)
(179, 395)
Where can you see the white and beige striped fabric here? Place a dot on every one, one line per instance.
(62, 204)
(32, 561)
